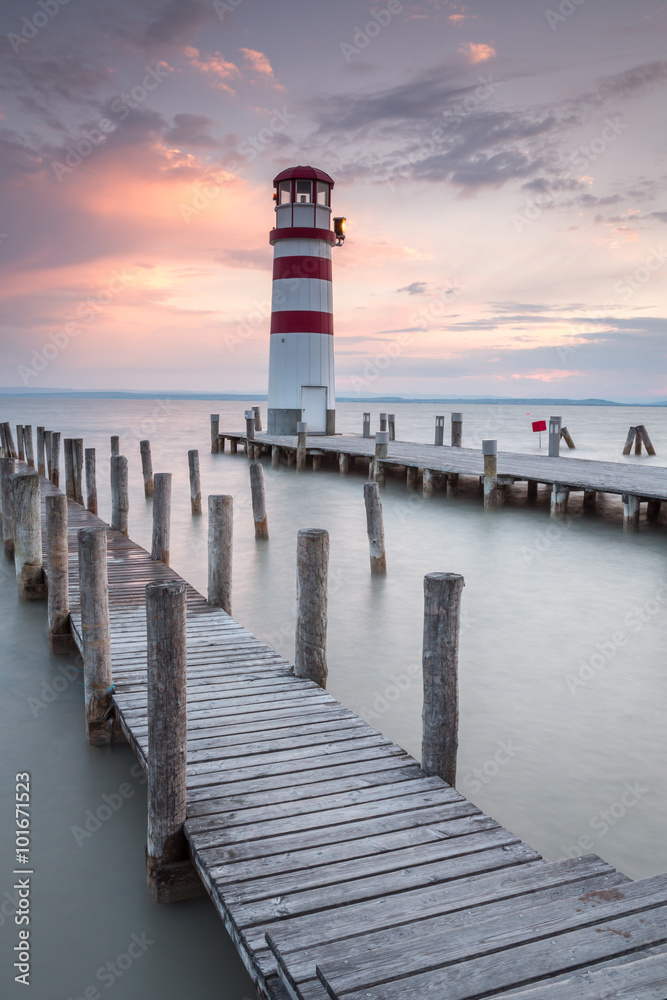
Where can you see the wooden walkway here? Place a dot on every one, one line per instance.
(335, 862)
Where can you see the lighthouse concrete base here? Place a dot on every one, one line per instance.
(285, 421)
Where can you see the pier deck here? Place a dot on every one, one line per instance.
(371, 879)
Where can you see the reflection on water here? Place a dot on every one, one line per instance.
(563, 688)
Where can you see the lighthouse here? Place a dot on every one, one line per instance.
(301, 360)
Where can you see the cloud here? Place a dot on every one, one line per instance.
(416, 288)
(261, 65)
(477, 52)
(215, 67)
(633, 81)
(176, 21)
(191, 130)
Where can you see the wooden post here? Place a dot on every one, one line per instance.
(490, 452)
(47, 452)
(383, 421)
(24, 500)
(452, 484)
(439, 430)
(343, 463)
(312, 567)
(233, 445)
(301, 438)
(41, 466)
(630, 513)
(57, 564)
(411, 476)
(27, 441)
(69, 467)
(632, 434)
(147, 467)
(91, 481)
(565, 434)
(638, 444)
(161, 517)
(258, 501)
(195, 481)
(427, 483)
(115, 445)
(532, 491)
(9, 440)
(20, 450)
(375, 529)
(4, 443)
(457, 429)
(590, 499)
(391, 426)
(120, 502)
(642, 433)
(653, 511)
(215, 434)
(96, 636)
(169, 872)
(440, 664)
(290, 455)
(381, 449)
(7, 469)
(249, 431)
(559, 498)
(220, 538)
(367, 425)
(258, 418)
(275, 456)
(77, 454)
(55, 458)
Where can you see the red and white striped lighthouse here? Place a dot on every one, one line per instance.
(301, 362)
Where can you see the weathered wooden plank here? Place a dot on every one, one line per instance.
(643, 979)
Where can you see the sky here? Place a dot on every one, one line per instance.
(501, 166)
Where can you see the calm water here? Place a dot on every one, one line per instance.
(563, 679)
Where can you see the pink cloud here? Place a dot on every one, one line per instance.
(477, 52)
(261, 65)
(545, 375)
(216, 67)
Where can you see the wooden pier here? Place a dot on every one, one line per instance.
(440, 467)
(338, 866)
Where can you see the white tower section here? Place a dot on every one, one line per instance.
(301, 361)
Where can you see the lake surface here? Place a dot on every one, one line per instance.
(562, 670)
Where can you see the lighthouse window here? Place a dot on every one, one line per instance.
(304, 191)
(322, 193)
(284, 192)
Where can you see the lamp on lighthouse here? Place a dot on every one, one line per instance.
(339, 230)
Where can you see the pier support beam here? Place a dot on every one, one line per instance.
(25, 506)
(440, 657)
(630, 513)
(220, 526)
(161, 517)
(559, 498)
(590, 500)
(653, 511)
(258, 501)
(452, 484)
(96, 638)
(532, 491)
(27, 441)
(275, 456)
(343, 464)
(490, 452)
(379, 474)
(195, 481)
(428, 487)
(411, 476)
(55, 458)
(457, 429)
(120, 502)
(312, 568)
(115, 445)
(7, 469)
(233, 446)
(57, 564)
(170, 873)
(215, 432)
(375, 529)
(257, 418)
(249, 433)
(41, 465)
(147, 467)
(301, 438)
(91, 481)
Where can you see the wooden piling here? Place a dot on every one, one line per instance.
(440, 658)
(379, 474)
(590, 499)
(27, 442)
(375, 529)
(161, 517)
(452, 484)
(630, 513)
(490, 453)
(457, 429)
(195, 481)
(366, 425)
(215, 434)
(78, 461)
(258, 418)
(120, 501)
(55, 458)
(4, 443)
(532, 491)
(312, 566)
(95, 633)
(68, 451)
(115, 445)
(391, 426)
(343, 463)
(275, 456)
(47, 452)
(632, 434)
(169, 872)
(147, 467)
(9, 440)
(233, 445)
(559, 497)
(439, 430)
(428, 487)
(25, 505)
(57, 565)
(653, 511)
(249, 432)
(20, 450)
(301, 439)
(565, 434)
(411, 477)
(258, 501)
(642, 434)
(41, 465)
(220, 538)
(7, 469)
(91, 481)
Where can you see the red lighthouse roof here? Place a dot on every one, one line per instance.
(303, 173)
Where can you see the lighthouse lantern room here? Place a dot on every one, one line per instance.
(301, 362)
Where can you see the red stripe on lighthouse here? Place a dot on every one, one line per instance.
(301, 321)
(302, 267)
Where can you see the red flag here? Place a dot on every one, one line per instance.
(539, 425)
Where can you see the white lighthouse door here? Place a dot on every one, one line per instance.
(314, 408)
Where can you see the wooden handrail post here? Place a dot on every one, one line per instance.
(96, 635)
(195, 481)
(47, 452)
(490, 453)
(383, 421)
(68, 450)
(375, 529)
(20, 450)
(25, 505)
(55, 458)
(312, 565)
(301, 440)
(57, 564)
(220, 538)
(215, 433)
(120, 501)
(91, 481)
(147, 467)
(7, 469)
(391, 426)
(77, 457)
(258, 501)
(258, 418)
(115, 444)
(41, 466)
(9, 440)
(27, 442)
(161, 517)
(440, 658)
